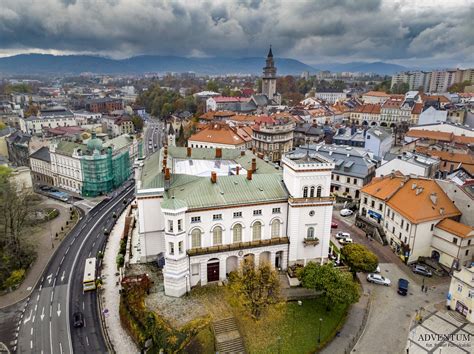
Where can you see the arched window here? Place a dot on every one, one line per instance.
(257, 231)
(237, 233)
(310, 233)
(318, 192)
(217, 236)
(305, 192)
(311, 193)
(196, 238)
(276, 228)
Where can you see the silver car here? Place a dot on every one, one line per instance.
(378, 279)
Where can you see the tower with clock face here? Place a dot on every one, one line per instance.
(308, 179)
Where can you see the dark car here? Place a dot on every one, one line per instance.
(78, 319)
(403, 286)
(422, 270)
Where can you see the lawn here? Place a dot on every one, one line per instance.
(296, 326)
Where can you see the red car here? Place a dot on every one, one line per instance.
(333, 225)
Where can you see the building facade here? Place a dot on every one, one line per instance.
(205, 223)
(273, 137)
(461, 293)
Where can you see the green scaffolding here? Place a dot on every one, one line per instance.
(103, 173)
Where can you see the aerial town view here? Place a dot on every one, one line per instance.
(237, 176)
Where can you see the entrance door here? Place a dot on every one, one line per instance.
(213, 271)
(278, 260)
(461, 308)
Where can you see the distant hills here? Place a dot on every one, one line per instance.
(76, 64)
(378, 67)
(38, 64)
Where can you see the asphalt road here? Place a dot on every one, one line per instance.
(153, 136)
(45, 326)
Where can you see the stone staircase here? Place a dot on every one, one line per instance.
(228, 338)
(458, 317)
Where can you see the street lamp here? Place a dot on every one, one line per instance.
(320, 324)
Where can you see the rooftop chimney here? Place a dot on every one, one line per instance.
(167, 174)
(249, 175)
(213, 177)
(218, 153)
(254, 165)
(413, 186)
(434, 198)
(237, 170)
(419, 190)
(188, 152)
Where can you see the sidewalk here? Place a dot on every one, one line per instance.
(109, 295)
(352, 328)
(42, 235)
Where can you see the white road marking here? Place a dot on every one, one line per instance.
(29, 317)
(63, 275)
(42, 314)
(49, 278)
(90, 253)
(67, 250)
(52, 293)
(83, 305)
(59, 309)
(37, 297)
(31, 332)
(41, 287)
(33, 320)
(87, 340)
(31, 344)
(50, 310)
(93, 245)
(50, 338)
(60, 347)
(54, 282)
(36, 307)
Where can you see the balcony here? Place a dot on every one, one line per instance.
(238, 246)
(313, 241)
(313, 200)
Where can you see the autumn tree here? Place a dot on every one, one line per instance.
(212, 86)
(256, 287)
(337, 286)
(458, 87)
(359, 258)
(137, 123)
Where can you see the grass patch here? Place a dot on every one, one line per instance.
(296, 326)
(203, 342)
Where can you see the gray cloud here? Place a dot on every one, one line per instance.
(313, 31)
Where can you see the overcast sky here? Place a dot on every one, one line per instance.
(423, 33)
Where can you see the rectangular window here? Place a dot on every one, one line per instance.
(455, 240)
(393, 230)
(237, 214)
(217, 217)
(171, 247)
(401, 224)
(405, 238)
(432, 227)
(180, 247)
(467, 252)
(195, 219)
(180, 224)
(380, 206)
(372, 204)
(408, 226)
(195, 269)
(337, 177)
(276, 211)
(365, 200)
(257, 212)
(170, 225)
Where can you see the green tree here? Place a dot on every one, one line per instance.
(2, 126)
(138, 123)
(400, 88)
(337, 286)
(256, 287)
(212, 86)
(459, 87)
(181, 137)
(359, 258)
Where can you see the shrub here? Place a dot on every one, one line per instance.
(120, 260)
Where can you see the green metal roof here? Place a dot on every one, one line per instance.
(229, 190)
(68, 147)
(173, 204)
(119, 142)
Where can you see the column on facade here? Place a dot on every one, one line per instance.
(257, 259)
(284, 260)
(203, 272)
(222, 266)
(272, 258)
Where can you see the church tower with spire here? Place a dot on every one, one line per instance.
(269, 79)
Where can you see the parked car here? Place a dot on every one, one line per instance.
(341, 235)
(346, 212)
(78, 319)
(422, 270)
(403, 286)
(345, 241)
(378, 279)
(333, 225)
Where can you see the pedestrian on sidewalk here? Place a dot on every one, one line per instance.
(422, 288)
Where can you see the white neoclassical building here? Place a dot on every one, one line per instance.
(202, 211)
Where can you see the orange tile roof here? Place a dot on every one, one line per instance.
(448, 156)
(368, 108)
(219, 134)
(456, 228)
(462, 139)
(384, 187)
(392, 103)
(420, 208)
(417, 108)
(376, 94)
(211, 114)
(398, 192)
(430, 134)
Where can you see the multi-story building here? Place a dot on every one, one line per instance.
(378, 141)
(217, 136)
(353, 168)
(40, 166)
(117, 126)
(410, 163)
(453, 244)
(408, 209)
(461, 292)
(18, 148)
(104, 105)
(35, 125)
(85, 117)
(375, 97)
(367, 114)
(331, 96)
(205, 210)
(433, 81)
(273, 137)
